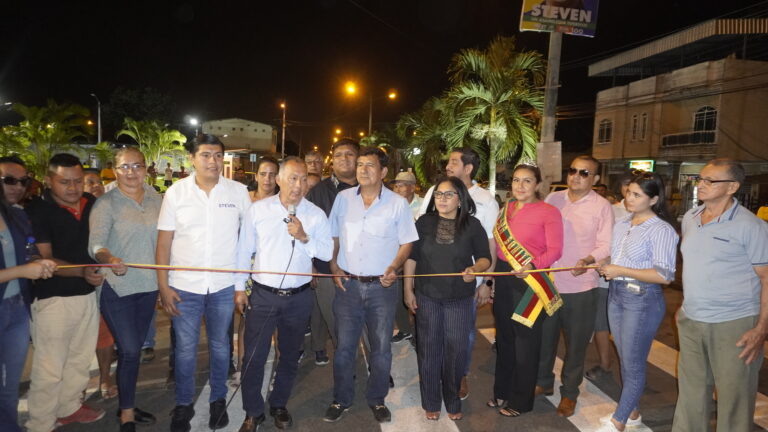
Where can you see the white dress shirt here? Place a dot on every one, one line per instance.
(264, 232)
(370, 238)
(205, 232)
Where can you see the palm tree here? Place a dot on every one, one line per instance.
(494, 102)
(424, 133)
(154, 139)
(48, 130)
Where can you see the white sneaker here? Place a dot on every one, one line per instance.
(608, 427)
(630, 422)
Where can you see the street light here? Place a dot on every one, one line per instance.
(193, 122)
(351, 88)
(98, 117)
(282, 151)
(338, 131)
(362, 134)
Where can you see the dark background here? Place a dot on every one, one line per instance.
(240, 59)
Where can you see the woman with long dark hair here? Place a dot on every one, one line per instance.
(265, 184)
(15, 270)
(529, 235)
(451, 240)
(643, 253)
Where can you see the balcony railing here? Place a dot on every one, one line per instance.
(689, 138)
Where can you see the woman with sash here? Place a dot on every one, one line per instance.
(643, 253)
(451, 240)
(529, 235)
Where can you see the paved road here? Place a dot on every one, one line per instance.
(313, 392)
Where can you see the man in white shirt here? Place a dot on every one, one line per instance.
(198, 227)
(464, 163)
(373, 231)
(285, 232)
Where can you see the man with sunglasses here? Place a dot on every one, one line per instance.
(13, 173)
(723, 321)
(587, 228)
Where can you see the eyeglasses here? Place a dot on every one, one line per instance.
(13, 181)
(447, 195)
(709, 182)
(134, 167)
(582, 172)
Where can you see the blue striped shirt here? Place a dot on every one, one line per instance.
(652, 244)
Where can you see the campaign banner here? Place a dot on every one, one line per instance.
(576, 17)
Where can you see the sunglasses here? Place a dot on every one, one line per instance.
(582, 172)
(13, 181)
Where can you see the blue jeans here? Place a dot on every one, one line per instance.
(14, 343)
(128, 319)
(373, 306)
(289, 315)
(217, 308)
(634, 316)
(149, 341)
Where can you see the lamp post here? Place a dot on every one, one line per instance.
(351, 89)
(98, 117)
(194, 123)
(282, 145)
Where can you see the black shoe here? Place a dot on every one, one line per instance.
(401, 336)
(381, 413)
(391, 382)
(321, 358)
(251, 423)
(334, 412)
(180, 417)
(147, 355)
(128, 427)
(140, 417)
(283, 419)
(219, 418)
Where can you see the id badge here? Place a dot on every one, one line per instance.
(633, 288)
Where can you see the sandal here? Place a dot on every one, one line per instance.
(508, 411)
(107, 391)
(433, 415)
(495, 403)
(456, 417)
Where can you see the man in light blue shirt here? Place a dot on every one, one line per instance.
(285, 232)
(724, 318)
(372, 229)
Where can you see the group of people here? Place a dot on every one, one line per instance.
(385, 252)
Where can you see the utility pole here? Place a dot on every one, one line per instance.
(282, 151)
(370, 113)
(98, 118)
(549, 152)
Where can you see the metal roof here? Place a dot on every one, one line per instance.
(709, 40)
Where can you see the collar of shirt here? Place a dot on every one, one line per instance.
(359, 191)
(728, 214)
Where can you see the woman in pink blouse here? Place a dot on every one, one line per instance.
(538, 227)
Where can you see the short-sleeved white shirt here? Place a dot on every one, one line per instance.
(205, 232)
(370, 238)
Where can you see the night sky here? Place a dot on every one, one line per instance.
(240, 59)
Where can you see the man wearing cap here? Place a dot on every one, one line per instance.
(405, 186)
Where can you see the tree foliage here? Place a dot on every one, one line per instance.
(137, 103)
(154, 139)
(45, 131)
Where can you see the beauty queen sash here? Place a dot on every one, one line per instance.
(541, 292)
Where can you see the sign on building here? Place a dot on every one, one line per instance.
(575, 17)
(642, 165)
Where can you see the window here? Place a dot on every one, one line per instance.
(705, 119)
(604, 132)
(634, 127)
(643, 126)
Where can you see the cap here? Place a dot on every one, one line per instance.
(405, 176)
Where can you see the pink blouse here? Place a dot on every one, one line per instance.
(539, 228)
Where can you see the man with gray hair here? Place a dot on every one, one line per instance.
(723, 321)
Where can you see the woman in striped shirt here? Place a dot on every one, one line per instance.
(643, 253)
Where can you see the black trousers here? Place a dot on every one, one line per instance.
(289, 315)
(443, 326)
(517, 346)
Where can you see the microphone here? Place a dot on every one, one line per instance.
(291, 212)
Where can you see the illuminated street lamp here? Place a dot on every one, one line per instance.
(362, 134)
(338, 131)
(193, 122)
(351, 88)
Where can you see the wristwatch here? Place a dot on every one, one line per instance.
(489, 282)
